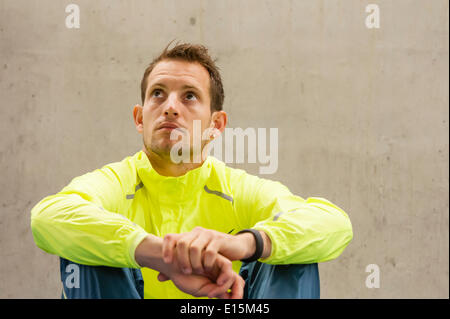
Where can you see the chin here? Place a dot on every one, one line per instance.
(162, 147)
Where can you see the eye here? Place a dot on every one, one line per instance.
(191, 96)
(157, 93)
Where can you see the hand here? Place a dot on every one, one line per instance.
(198, 250)
(214, 284)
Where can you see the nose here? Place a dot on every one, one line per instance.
(170, 111)
(171, 107)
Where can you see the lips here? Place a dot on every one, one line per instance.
(167, 125)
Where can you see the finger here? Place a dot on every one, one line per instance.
(162, 277)
(225, 279)
(169, 243)
(221, 290)
(210, 255)
(204, 290)
(226, 270)
(195, 252)
(237, 290)
(182, 247)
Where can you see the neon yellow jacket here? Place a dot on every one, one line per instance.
(101, 217)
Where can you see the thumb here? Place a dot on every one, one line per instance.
(162, 277)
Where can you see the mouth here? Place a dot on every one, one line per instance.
(167, 126)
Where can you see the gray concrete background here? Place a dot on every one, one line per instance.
(362, 117)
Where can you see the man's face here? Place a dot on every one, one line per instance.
(177, 94)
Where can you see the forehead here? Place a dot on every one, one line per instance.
(179, 72)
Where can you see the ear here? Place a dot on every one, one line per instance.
(219, 120)
(137, 115)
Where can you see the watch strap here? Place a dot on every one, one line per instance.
(259, 245)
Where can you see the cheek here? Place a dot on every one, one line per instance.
(148, 117)
(147, 123)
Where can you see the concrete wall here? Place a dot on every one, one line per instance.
(362, 116)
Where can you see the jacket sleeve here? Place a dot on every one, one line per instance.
(82, 222)
(301, 231)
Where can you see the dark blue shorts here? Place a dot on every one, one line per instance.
(262, 281)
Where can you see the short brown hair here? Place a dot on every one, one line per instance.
(191, 53)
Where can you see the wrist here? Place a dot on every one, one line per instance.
(267, 245)
(149, 253)
(248, 241)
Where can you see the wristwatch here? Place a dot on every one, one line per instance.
(259, 245)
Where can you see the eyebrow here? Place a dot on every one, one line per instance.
(183, 87)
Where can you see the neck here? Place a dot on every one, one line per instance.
(164, 166)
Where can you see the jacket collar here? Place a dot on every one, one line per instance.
(174, 188)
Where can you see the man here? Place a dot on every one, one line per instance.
(183, 221)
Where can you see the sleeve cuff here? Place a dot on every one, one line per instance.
(134, 240)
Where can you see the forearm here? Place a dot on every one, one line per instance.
(78, 230)
(317, 231)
